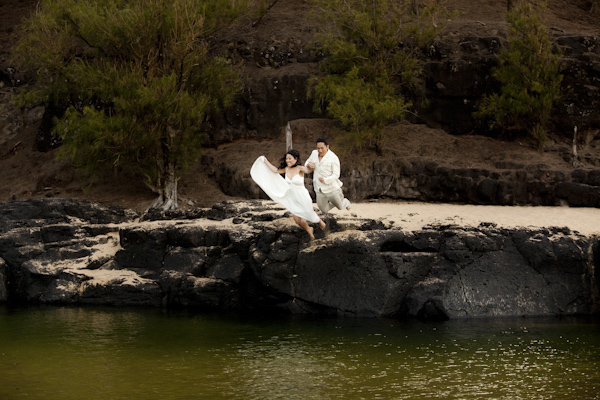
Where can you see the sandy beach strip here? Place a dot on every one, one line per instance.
(415, 215)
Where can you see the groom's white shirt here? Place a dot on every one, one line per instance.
(328, 169)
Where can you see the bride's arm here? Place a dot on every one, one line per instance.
(272, 167)
(304, 169)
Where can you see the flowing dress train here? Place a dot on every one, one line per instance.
(290, 193)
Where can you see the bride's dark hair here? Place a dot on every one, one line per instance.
(293, 153)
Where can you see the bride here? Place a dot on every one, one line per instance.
(289, 192)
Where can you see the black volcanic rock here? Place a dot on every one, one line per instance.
(358, 268)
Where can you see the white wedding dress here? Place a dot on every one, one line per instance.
(290, 193)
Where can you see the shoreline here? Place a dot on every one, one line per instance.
(381, 259)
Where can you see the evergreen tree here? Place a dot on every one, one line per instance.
(529, 77)
(136, 78)
(372, 68)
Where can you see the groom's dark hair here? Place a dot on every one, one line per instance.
(322, 140)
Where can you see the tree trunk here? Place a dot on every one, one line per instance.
(575, 157)
(166, 185)
(170, 189)
(415, 7)
(167, 193)
(288, 137)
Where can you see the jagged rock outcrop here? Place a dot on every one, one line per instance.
(245, 255)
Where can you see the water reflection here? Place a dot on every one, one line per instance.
(95, 353)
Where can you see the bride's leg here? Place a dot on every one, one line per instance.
(302, 222)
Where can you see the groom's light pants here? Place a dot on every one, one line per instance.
(326, 201)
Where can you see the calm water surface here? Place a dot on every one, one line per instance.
(100, 353)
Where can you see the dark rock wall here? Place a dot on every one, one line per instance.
(508, 185)
(263, 108)
(254, 259)
(457, 80)
(580, 103)
(457, 74)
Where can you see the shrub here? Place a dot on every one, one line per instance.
(372, 70)
(529, 78)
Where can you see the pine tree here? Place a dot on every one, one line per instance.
(136, 79)
(529, 78)
(372, 70)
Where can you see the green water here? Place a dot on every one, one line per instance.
(99, 353)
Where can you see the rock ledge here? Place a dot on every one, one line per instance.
(248, 255)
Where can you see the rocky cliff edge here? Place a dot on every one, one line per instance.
(248, 255)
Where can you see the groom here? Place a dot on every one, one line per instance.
(326, 177)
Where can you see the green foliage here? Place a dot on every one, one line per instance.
(529, 77)
(362, 106)
(372, 66)
(135, 76)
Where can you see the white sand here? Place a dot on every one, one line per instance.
(414, 215)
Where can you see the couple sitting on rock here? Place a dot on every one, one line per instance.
(290, 191)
